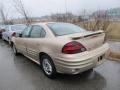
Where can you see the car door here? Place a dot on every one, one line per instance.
(37, 35)
(21, 41)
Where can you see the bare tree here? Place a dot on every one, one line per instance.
(97, 21)
(3, 15)
(102, 21)
(85, 20)
(19, 6)
(59, 17)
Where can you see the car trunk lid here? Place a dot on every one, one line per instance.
(89, 39)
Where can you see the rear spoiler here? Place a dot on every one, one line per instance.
(92, 34)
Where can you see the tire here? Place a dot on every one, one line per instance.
(3, 38)
(14, 50)
(48, 66)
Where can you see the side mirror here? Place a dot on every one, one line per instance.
(20, 35)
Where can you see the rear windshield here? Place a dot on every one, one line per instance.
(60, 29)
(18, 27)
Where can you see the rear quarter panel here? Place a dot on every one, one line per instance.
(52, 46)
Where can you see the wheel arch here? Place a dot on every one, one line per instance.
(42, 53)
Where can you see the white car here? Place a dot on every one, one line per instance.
(12, 30)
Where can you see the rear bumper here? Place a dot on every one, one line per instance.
(76, 63)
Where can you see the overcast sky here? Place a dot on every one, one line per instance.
(46, 7)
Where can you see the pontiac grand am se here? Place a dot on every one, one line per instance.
(61, 47)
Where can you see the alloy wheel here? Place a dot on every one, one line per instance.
(47, 66)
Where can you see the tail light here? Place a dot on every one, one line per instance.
(14, 34)
(73, 48)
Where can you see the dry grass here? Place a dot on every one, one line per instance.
(114, 56)
(114, 34)
(113, 30)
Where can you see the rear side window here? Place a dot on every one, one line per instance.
(26, 32)
(37, 32)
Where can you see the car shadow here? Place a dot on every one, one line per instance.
(4, 43)
(34, 75)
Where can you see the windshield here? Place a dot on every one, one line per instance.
(60, 29)
(18, 27)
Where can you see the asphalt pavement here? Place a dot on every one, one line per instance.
(19, 73)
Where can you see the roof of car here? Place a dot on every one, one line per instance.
(13, 25)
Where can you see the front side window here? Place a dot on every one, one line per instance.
(37, 32)
(60, 29)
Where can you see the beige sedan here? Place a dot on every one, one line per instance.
(62, 47)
